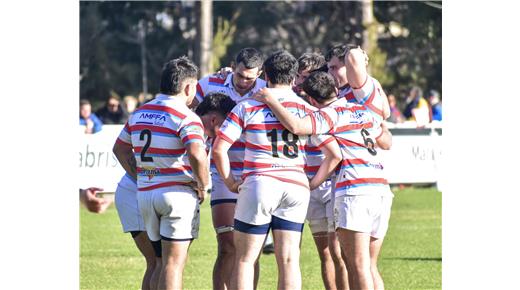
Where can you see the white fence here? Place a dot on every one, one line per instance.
(415, 157)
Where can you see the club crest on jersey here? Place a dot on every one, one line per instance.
(150, 172)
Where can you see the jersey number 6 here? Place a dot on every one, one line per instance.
(368, 142)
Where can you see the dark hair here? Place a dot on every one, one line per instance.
(84, 102)
(310, 61)
(250, 57)
(320, 86)
(281, 67)
(174, 73)
(339, 51)
(215, 102)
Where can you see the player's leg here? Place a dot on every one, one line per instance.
(356, 246)
(222, 214)
(132, 222)
(327, 264)
(354, 222)
(252, 219)
(175, 253)
(249, 240)
(287, 224)
(287, 252)
(151, 223)
(375, 248)
(317, 218)
(223, 210)
(179, 225)
(376, 240)
(145, 247)
(340, 267)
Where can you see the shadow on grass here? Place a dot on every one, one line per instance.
(414, 259)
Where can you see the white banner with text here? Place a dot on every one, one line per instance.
(414, 157)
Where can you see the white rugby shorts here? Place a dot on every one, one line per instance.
(261, 197)
(363, 213)
(219, 191)
(171, 214)
(126, 204)
(320, 213)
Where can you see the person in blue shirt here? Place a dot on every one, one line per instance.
(436, 105)
(88, 119)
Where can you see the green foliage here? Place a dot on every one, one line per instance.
(408, 36)
(223, 38)
(411, 257)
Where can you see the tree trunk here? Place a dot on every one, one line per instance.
(142, 42)
(205, 29)
(369, 33)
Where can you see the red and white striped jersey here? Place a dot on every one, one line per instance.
(355, 129)
(270, 149)
(210, 84)
(370, 95)
(159, 132)
(214, 84)
(313, 155)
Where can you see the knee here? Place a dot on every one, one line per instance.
(226, 248)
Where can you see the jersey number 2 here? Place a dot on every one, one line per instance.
(148, 134)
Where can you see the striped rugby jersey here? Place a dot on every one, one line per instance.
(214, 84)
(356, 129)
(159, 131)
(370, 95)
(270, 149)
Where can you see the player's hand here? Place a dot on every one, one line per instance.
(92, 202)
(263, 95)
(223, 72)
(236, 185)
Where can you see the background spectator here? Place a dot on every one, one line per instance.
(395, 114)
(143, 98)
(417, 108)
(130, 104)
(436, 105)
(112, 112)
(88, 119)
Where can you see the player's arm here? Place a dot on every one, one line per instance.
(125, 155)
(192, 136)
(332, 152)
(221, 158)
(199, 165)
(198, 95)
(229, 132)
(355, 61)
(297, 125)
(384, 140)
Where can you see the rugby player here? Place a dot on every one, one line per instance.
(362, 196)
(320, 213)
(170, 159)
(239, 85)
(275, 192)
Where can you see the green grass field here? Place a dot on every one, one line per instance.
(411, 257)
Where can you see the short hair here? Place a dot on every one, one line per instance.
(320, 86)
(174, 73)
(339, 51)
(84, 102)
(310, 61)
(281, 67)
(250, 57)
(215, 102)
